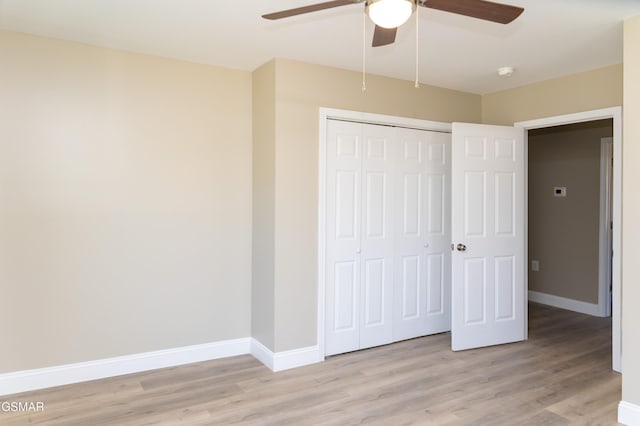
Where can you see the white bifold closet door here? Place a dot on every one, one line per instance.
(387, 235)
(422, 266)
(359, 258)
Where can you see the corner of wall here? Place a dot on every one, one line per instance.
(280, 361)
(263, 204)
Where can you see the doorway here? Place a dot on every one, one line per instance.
(569, 216)
(614, 114)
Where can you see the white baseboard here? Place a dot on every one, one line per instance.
(564, 303)
(286, 360)
(24, 381)
(262, 353)
(628, 414)
(296, 358)
(41, 378)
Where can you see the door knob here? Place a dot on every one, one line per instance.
(461, 247)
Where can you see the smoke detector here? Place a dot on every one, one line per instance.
(505, 71)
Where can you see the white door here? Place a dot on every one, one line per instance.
(377, 235)
(488, 265)
(359, 236)
(343, 212)
(422, 270)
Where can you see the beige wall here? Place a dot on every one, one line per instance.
(126, 193)
(301, 89)
(600, 88)
(564, 232)
(263, 290)
(630, 214)
(125, 203)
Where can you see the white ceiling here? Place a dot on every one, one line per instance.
(551, 38)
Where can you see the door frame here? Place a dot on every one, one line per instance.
(606, 230)
(614, 113)
(359, 117)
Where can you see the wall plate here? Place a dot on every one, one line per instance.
(560, 191)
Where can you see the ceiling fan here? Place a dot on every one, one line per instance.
(388, 15)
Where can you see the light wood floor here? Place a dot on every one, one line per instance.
(561, 375)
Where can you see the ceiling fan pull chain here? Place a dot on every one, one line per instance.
(364, 50)
(417, 84)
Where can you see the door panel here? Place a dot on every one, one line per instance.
(410, 287)
(412, 197)
(437, 205)
(376, 249)
(345, 287)
(505, 203)
(343, 212)
(437, 288)
(374, 294)
(475, 291)
(475, 196)
(505, 268)
(375, 210)
(489, 303)
(422, 240)
(437, 306)
(346, 190)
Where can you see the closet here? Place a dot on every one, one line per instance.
(387, 234)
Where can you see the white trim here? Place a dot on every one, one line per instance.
(361, 117)
(262, 353)
(28, 380)
(526, 233)
(604, 231)
(41, 378)
(365, 117)
(616, 114)
(628, 414)
(577, 117)
(296, 358)
(322, 221)
(564, 303)
(286, 360)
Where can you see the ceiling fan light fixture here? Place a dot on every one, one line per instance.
(390, 13)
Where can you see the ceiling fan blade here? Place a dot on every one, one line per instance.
(383, 36)
(308, 9)
(481, 9)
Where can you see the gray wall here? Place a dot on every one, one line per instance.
(563, 232)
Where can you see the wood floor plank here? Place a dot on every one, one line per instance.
(561, 376)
